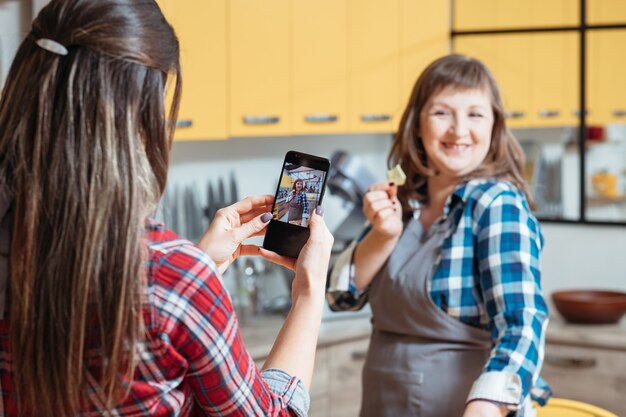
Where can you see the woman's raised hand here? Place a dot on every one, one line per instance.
(383, 210)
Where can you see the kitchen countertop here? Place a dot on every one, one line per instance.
(259, 333)
(606, 336)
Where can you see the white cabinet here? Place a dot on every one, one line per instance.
(589, 374)
(346, 365)
(336, 384)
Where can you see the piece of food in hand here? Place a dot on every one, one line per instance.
(397, 175)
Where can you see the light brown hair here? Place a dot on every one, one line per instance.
(84, 149)
(505, 158)
(293, 186)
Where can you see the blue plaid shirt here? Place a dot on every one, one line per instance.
(487, 275)
(301, 200)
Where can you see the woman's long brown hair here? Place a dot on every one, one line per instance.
(84, 145)
(505, 158)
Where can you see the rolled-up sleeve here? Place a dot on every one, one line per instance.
(288, 388)
(509, 246)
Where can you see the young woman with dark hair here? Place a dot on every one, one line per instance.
(104, 311)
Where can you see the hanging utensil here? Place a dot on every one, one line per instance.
(221, 194)
(209, 211)
(234, 193)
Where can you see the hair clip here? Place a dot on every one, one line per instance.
(52, 46)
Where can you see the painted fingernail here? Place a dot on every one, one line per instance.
(266, 217)
(319, 210)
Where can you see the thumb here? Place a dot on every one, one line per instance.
(252, 227)
(316, 224)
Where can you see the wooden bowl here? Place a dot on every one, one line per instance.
(590, 306)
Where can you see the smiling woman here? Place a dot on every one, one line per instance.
(450, 261)
(455, 127)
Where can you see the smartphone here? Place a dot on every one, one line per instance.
(300, 190)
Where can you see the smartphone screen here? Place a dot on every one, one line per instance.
(300, 190)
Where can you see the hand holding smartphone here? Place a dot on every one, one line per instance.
(300, 190)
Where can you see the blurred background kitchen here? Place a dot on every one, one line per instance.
(330, 77)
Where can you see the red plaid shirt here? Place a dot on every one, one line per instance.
(193, 361)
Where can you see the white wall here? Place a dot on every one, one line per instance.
(583, 256)
(14, 24)
(257, 162)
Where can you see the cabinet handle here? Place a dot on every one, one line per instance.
(359, 355)
(184, 124)
(515, 114)
(577, 113)
(374, 117)
(571, 363)
(260, 120)
(619, 113)
(546, 114)
(321, 118)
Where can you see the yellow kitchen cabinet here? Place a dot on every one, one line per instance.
(259, 67)
(373, 65)
(606, 88)
(508, 57)
(425, 36)
(201, 29)
(503, 14)
(602, 12)
(554, 79)
(319, 49)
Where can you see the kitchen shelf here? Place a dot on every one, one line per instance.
(596, 201)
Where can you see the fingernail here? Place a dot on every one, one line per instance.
(266, 217)
(319, 210)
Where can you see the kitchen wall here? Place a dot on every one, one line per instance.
(14, 22)
(575, 255)
(256, 162)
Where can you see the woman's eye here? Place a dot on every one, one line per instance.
(474, 114)
(439, 113)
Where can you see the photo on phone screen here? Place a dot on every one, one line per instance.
(300, 190)
(298, 193)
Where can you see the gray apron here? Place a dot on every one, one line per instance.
(421, 361)
(295, 209)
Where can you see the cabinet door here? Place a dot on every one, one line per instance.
(606, 12)
(498, 14)
(259, 67)
(555, 79)
(425, 36)
(590, 375)
(201, 29)
(507, 56)
(319, 66)
(373, 65)
(606, 87)
(346, 364)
